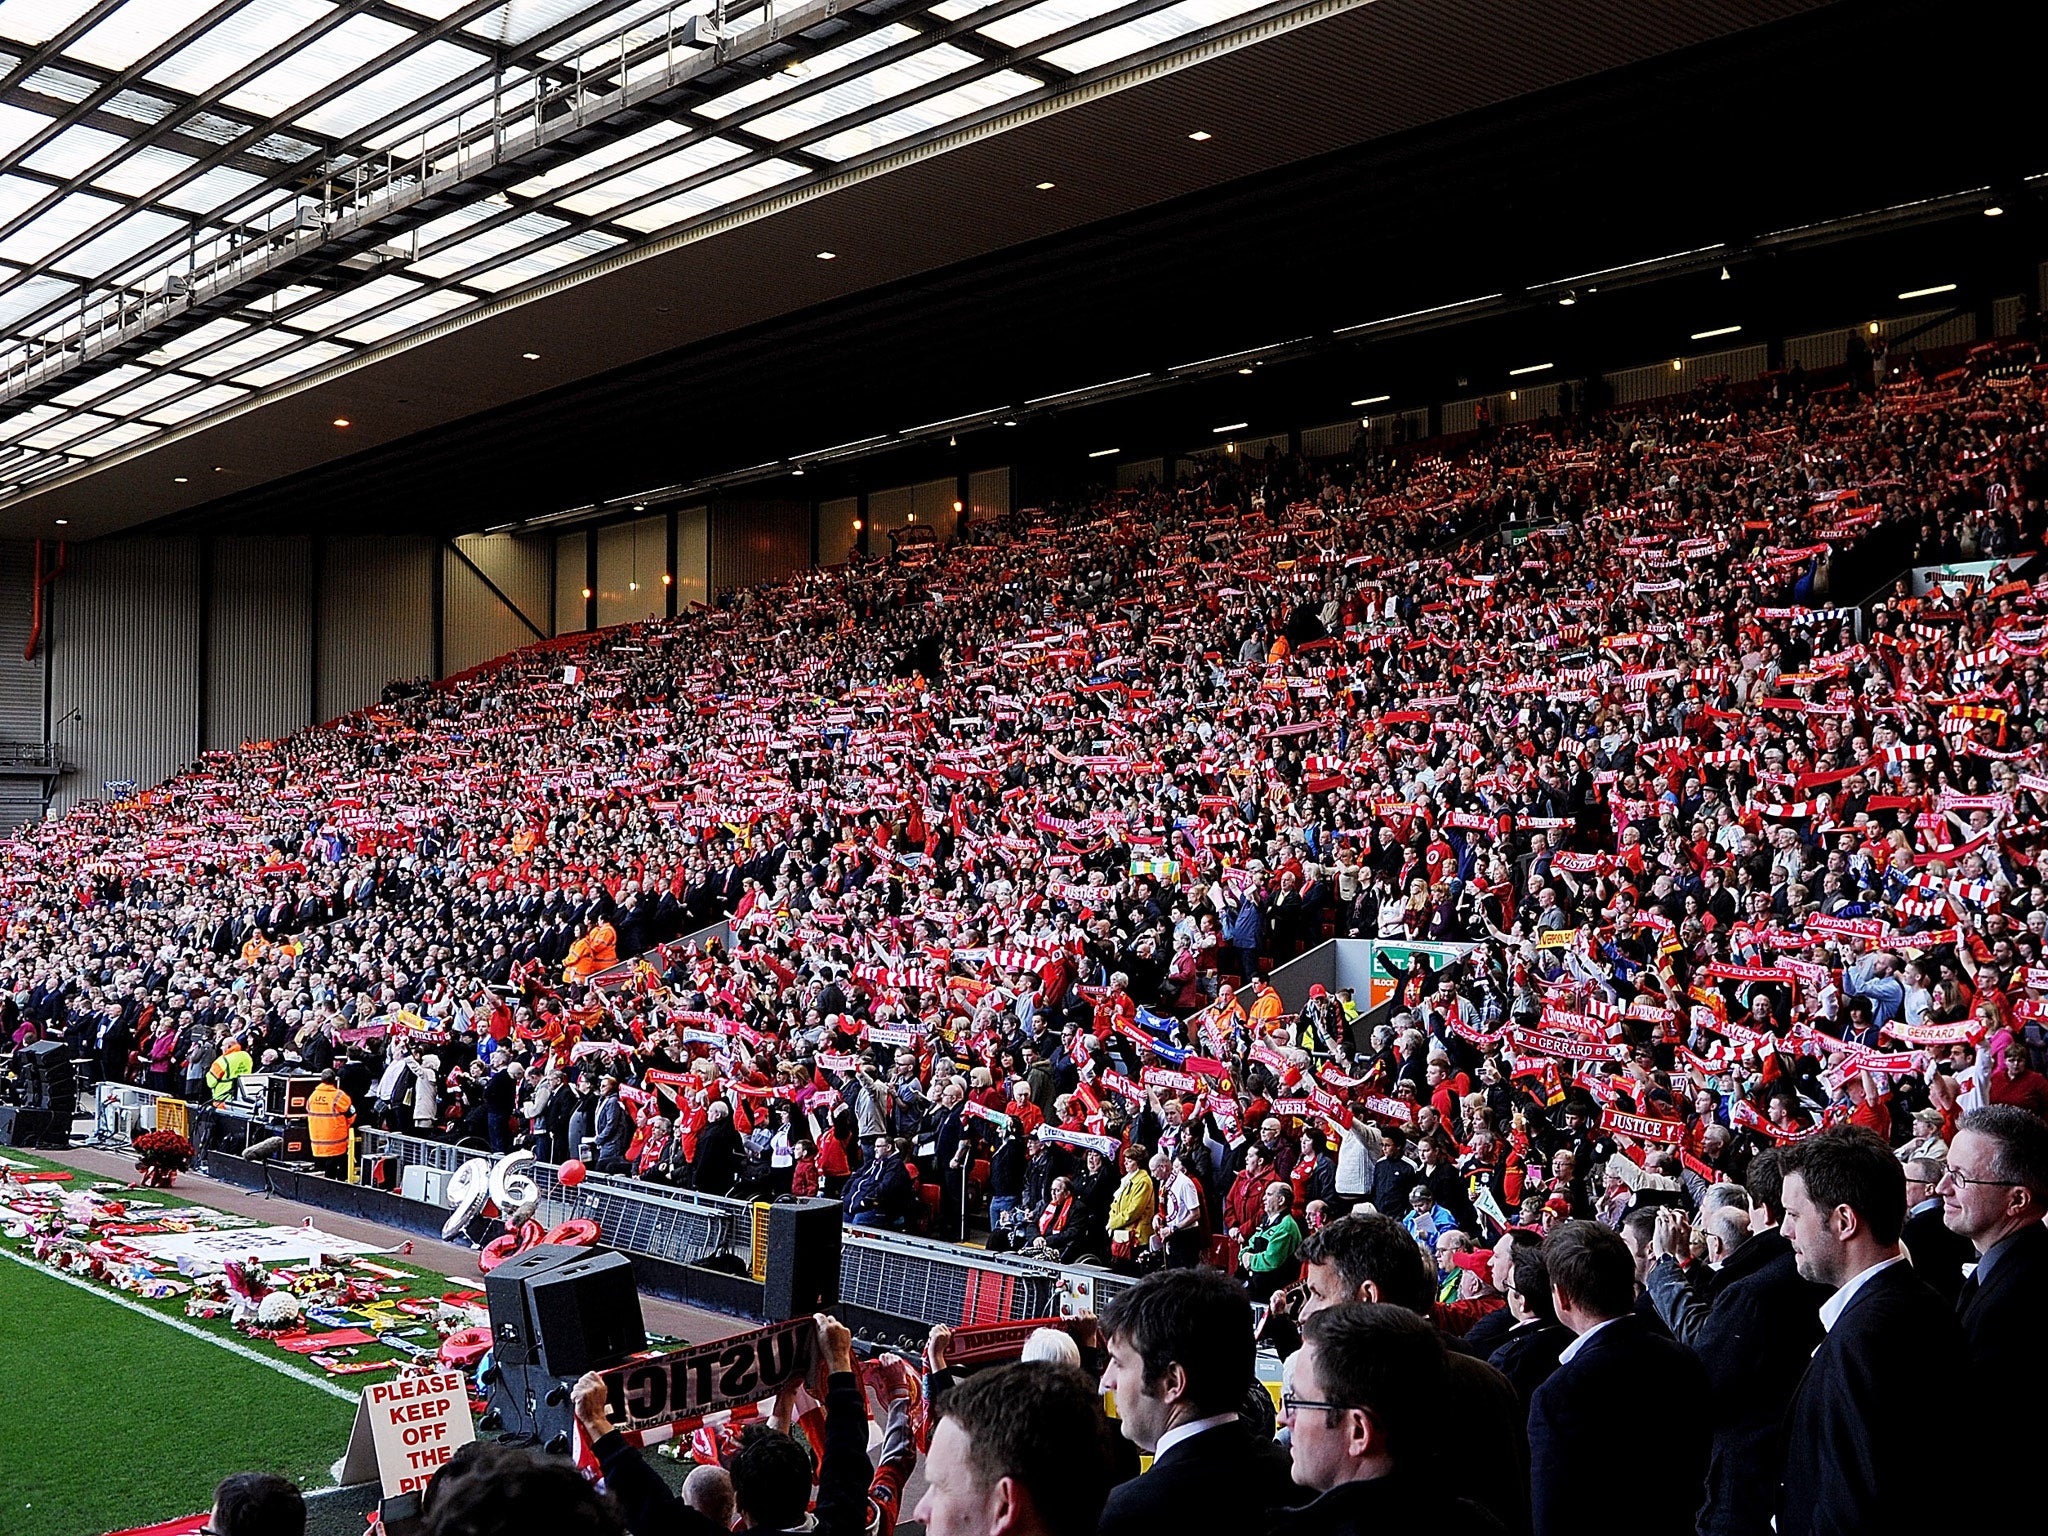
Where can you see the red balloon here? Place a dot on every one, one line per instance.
(572, 1173)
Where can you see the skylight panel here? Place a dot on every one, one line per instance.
(25, 298)
(113, 440)
(713, 195)
(17, 126)
(498, 240)
(17, 195)
(935, 112)
(207, 335)
(213, 191)
(851, 52)
(953, 10)
(102, 384)
(425, 309)
(431, 10)
(21, 423)
(238, 354)
(314, 354)
(653, 177)
(539, 264)
(215, 397)
(346, 306)
(875, 86)
(37, 21)
(584, 166)
(67, 429)
(121, 244)
(141, 396)
(1135, 37)
(67, 218)
(656, 14)
(392, 89)
(135, 29)
(518, 20)
(330, 56)
(256, 29)
(1022, 27)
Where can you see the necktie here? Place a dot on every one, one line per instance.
(1967, 1296)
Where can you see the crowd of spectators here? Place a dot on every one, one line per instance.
(1714, 901)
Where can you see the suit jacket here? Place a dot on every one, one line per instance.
(2002, 1316)
(1587, 1423)
(1222, 1480)
(1855, 1439)
(1400, 1501)
(1938, 1254)
(1755, 1339)
(1491, 1466)
(1528, 1356)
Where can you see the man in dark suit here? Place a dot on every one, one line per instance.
(1370, 1258)
(1594, 1404)
(1994, 1193)
(1180, 1367)
(1754, 1337)
(1855, 1447)
(1938, 1255)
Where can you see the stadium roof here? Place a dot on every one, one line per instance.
(228, 228)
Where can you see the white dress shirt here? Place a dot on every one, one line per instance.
(1832, 1309)
(1188, 1431)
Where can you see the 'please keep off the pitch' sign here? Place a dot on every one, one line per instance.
(416, 1424)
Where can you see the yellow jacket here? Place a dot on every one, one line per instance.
(1131, 1207)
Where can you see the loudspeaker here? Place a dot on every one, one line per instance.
(287, 1096)
(803, 1258)
(531, 1407)
(586, 1313)
(24, 1127)
(513, 1341)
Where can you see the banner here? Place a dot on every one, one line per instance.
(705, 1378)
(1643, 1127)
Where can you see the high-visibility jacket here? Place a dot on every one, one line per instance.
(329, 1114)
(220, 1077)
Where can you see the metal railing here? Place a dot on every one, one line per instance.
(916, 1278)
(31, 754)
(525, 111)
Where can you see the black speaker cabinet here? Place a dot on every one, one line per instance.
(512, 1337)
(24, 1127)
(803, 1258)
(532, 1407)
(287, 1096)
(585, 1312)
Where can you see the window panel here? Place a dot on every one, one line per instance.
(1022, 27)
(209, 334)
(314, 354)
(713, 195)
(423, 310)
(17, 126)
(818, 64)
(134, 30)
(250, 33)
(215, 397)
(113, 440)
(653, 177)
(104, 384)
(50, 229)
(583, 166)
(875, 86)
(121, 244)
(37, 21)
(354, 43)
(346, 306)
(935, 112)
(22, 299)
(1134, 37)
(538, 264)
(495, 241)
(392, 89)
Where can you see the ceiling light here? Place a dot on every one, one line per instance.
(63, 522)
(910, 517)
(1514, 394)
(177, 479)
(1008, 421)
(531, 357)
(1873, 327)
(341, 421)
(1677, 366)
(858, 525)
(1928, 293)
(798, 471)
(1516, 373)
(1233, 427)
(1046, 186)
(666, 579)
(1247, 368)
(1201, 136)
(586, 594)
(1568, 300)
(632, 586)
(828, 255)
(639, 506)
(220, 469)
(1722, 330)
(957, 507)
(1725, 277)
(1373, 400)
(1993, 211)
(1105, 453)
